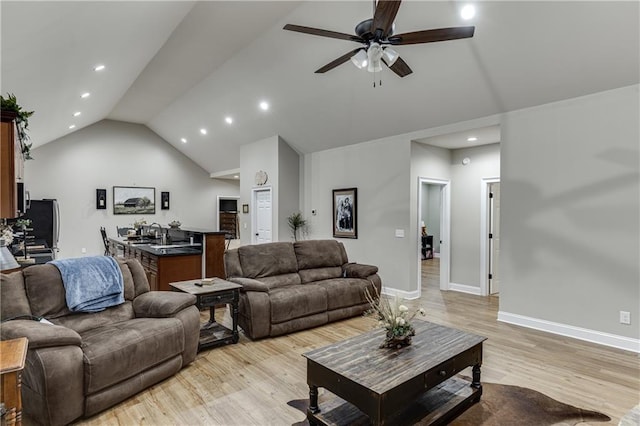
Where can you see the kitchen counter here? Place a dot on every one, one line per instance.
(153, 246)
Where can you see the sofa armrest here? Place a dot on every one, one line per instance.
(249, 284)
(357, 270)
(161, 304)
(40, 335)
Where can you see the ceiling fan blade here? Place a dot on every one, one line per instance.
(341, 60)
(400, 67)
(430, 36)
(383, 18)
(323, 33)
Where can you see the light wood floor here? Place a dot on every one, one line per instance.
(250, 383)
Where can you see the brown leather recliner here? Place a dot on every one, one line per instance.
(288, 287)
(87, 362)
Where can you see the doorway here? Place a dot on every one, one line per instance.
(490, 237)
(261, 218)
(434, 212)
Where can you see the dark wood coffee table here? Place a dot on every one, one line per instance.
(221, 292)
(395, 386)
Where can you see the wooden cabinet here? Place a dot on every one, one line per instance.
(164, 269)
(11, 166)
(229, 223)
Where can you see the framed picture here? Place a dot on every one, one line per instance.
(134, 200)
(164, 201)
(245, 208)
(345, 213)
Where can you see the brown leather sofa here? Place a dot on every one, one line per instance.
(293, 286)
(88, 362)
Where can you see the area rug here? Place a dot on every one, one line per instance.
(509, 405)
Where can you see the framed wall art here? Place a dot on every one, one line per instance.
(164, 201)
(345, 213)
(134, 200)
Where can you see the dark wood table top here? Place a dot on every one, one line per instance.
(380, 369)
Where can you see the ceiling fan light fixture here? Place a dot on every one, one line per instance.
(374, 53)
(360, 59)
(390, 56)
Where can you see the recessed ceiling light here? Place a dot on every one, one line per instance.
(77, 113)
(468, 12)
(472, 139)
(73, 126)
(228, 119)
(236, 177)
(98, 67)
(264, 105)
(183, 140)
(203, 131)
(85, 95)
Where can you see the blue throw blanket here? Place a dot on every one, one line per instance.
(91, 283)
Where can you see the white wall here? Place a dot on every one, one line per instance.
(282, 164)
(570, 206)
(288, 187)
(428, 162)
(379, 171)
(256, 156)
(465, 209)
(112, 153)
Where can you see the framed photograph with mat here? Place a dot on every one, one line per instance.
(345, 213)
(134, 200)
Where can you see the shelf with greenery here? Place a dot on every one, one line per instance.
(10, 103)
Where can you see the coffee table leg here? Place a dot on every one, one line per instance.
(313, 399)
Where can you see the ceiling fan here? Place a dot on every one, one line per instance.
(377, 36)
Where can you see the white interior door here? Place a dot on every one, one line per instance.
(494, 240)
(262, 216)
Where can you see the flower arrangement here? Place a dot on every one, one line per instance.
(6, 234)
(394, 317)
(138, 223)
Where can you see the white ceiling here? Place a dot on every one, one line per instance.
(181, 66)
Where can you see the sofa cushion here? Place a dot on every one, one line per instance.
(45, 291)
(265, 260)
(81, 322)
(344, 292)
(116, 352)
(319, 274)
(281, 280)
(13, 296)
(232, 266)
(296, 301)
(319, 254)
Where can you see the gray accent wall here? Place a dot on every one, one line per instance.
(570, 212)
(113, 153)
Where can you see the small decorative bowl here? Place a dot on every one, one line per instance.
(175, 224)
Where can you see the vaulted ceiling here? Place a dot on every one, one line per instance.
(181, 66)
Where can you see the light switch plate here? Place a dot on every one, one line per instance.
(399, 233)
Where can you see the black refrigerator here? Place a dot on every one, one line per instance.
(45, 222)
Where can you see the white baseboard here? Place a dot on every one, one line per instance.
(464, 288)
(593, 336)
(409, 295)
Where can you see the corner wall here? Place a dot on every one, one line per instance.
(113, 153)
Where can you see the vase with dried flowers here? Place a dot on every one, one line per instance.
(394, 317)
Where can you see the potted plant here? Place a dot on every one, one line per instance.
(10, 103)
(296, 222)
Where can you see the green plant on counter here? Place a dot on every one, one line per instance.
(23, 223)
(10, 103)
(296, 222)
